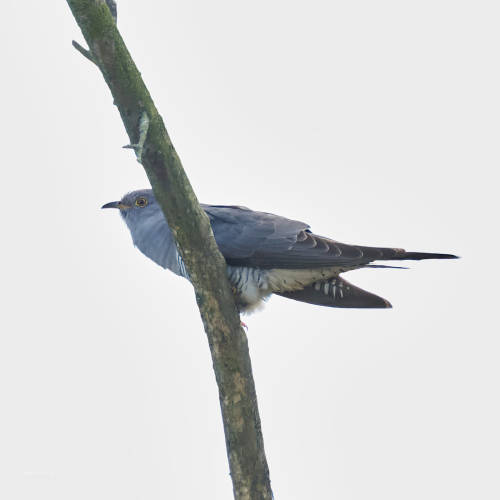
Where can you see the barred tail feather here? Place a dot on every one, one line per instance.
(337, 292)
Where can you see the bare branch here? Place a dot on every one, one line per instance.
(204, 263)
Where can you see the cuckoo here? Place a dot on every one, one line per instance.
(265, 254)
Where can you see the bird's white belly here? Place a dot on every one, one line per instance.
(252, 286)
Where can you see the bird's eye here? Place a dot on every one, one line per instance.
(141, 202)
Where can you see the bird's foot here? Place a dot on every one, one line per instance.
(244, 325)
(143, 132)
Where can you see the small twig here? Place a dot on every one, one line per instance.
(86, 53)
(143, 132)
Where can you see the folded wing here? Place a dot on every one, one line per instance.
(259, 239)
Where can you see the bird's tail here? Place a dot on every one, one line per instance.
(337, 292)
(400, 254)
(424, 255)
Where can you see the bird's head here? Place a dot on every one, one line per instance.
(136, 205)
(147, 226)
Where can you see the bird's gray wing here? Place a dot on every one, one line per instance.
(259, 239)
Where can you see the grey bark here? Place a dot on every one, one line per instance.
(204, 263)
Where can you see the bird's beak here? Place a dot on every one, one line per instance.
(112, 204)
(115, 204)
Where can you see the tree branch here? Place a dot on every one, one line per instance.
(191, 227)
(83, 51)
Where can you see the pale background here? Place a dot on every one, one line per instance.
(377, 123)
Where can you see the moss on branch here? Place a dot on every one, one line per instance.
(191, 227)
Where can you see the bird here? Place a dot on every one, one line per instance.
(265, 254)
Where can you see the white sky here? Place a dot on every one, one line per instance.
(375, 122)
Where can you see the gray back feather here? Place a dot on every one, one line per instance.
(242, 233)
